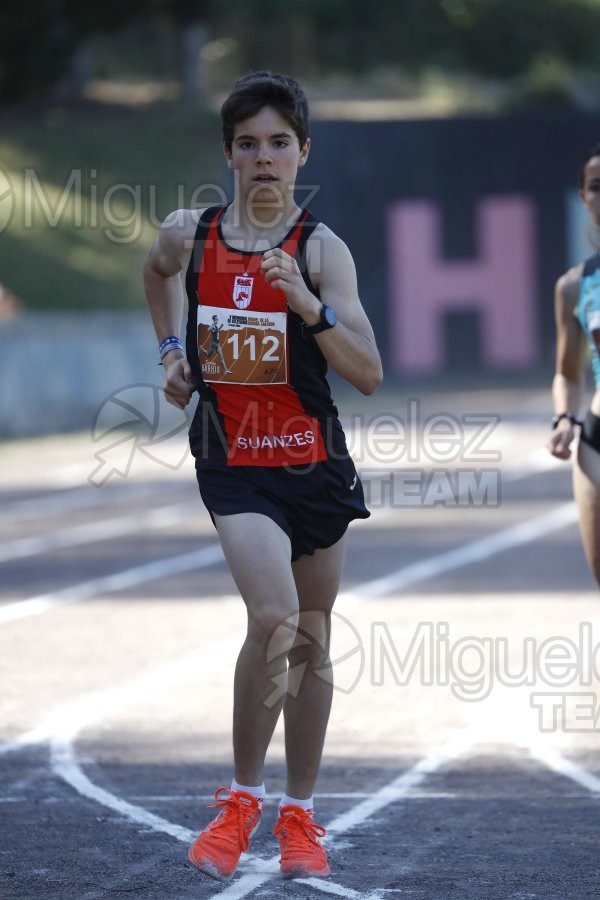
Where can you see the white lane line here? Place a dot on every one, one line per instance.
(247, 883)
(338, 890)
(510, 720)
(411, 574)
(38, 735)
(554, 759)
(401, 786)
(89, 532)
(38, 507)
(87, 497)
(349, 795)
(96, 705)
(66, 764)
(474, 552)
(329, 887)
(397, 789)
(65, 761)
(107, 584)
(70, 499)
(65, 725)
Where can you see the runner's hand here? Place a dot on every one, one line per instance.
(559, 442)
(178, 381)
(282, 273)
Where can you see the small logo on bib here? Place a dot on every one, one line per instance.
(242, 290)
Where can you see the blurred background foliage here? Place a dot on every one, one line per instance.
(127, 94)
(50, 47)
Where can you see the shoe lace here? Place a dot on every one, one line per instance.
(231, 821)
(296, 828)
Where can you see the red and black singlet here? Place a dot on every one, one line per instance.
(264, 395)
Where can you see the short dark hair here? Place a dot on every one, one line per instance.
(256, 90)
(593, 151)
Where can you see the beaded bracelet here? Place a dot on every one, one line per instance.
(169, 343)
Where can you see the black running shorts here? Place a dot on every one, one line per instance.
(312, 504)
(590, 431)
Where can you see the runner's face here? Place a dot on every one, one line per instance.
(265, 155)
(590, 194)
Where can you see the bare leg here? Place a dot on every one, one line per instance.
(586, 485)
(306, 710)
(258, 554)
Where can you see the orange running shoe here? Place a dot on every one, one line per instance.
(301, 853)
(217, 850)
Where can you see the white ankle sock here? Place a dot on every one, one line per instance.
(257, 790)
(293, 801)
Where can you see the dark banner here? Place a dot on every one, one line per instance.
(459, 229)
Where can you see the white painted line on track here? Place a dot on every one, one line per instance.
(56, 504)
(534, 463)
(329, 887)
(64, 727)
(554, 759)
(411, 574)
(474, 552)
(247, 883)
(41, 734)
(96, 705)
(90, 532)
(338, 890)
(77, 498)
(107, 584)
(320, 795)
(509, 720)
(397, 789)
(65, 763)
(401, 786)
(404, 577)
(66, 723)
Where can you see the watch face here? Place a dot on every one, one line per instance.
(329, 317)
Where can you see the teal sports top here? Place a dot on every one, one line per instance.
(587, 309)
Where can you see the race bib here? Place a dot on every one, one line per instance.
(237, 347)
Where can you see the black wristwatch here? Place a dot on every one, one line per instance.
(572, 419)
(327, 320)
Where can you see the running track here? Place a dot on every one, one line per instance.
(473, 774)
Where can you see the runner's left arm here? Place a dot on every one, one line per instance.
(349, 347)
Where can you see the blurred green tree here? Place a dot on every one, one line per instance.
(39, 40)
(491, 38)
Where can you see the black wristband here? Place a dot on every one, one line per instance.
(566, 415)
(327, 319)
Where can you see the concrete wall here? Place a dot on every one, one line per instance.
(58, 369)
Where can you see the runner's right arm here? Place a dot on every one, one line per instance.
(567, 385)
(166, 259)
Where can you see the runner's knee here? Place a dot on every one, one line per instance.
(274, 628)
